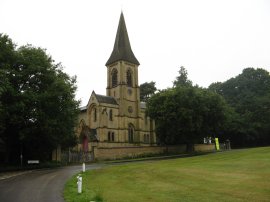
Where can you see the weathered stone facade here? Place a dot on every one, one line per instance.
(117, 119)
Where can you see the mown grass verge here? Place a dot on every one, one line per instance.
(239, 175)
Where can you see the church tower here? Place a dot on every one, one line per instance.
(118, 119)
(122, 78)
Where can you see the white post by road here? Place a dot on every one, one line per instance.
(79, 183)
(83, 167)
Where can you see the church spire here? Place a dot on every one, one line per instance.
(122, 49)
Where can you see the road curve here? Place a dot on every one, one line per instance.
(39, 185)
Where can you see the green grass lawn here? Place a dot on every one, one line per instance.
(238, 175)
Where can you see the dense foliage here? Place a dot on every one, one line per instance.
(186, 113)
(38, 109)
(249, 95)
(147, 89)
(182, 78)
(238, 110)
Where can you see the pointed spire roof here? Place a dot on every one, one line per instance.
(122, 49)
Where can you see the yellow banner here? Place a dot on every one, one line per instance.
(217, 143)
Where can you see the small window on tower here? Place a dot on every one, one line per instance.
(114, 78)
(129, 78)
(130, 133)
(111, 115)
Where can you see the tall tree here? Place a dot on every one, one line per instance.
(249, 94)
(7, 61)
(38, 100)
(187, 114)
(182, 79)
(147, 89)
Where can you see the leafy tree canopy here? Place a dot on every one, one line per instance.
(187, 114)
(249, 94)
(37, 99)
(147, 89)
(182, 79)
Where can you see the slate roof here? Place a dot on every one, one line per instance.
(106, 99)
(84, 108)
(122, 49)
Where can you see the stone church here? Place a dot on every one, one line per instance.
(117, 119)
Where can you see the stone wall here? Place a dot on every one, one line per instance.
(204, 147)
(125, 152)
(111, 151)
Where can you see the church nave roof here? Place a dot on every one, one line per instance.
(106, 99)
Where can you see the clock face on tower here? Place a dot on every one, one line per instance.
(129, 91)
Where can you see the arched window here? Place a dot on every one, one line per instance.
(114, 78)
(130, 133)
(95, 114)
(110, 136)
(129, 78)
(111, 115)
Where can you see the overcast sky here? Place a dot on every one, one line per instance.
(213, 39)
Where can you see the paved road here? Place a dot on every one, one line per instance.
(48, 185)
(39, 185)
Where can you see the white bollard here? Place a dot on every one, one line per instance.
(83, 167)
(79, 183)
